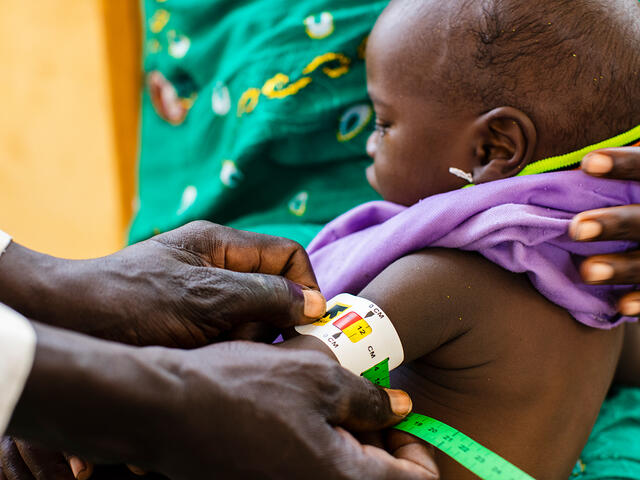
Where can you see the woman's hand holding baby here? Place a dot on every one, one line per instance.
(618, 223)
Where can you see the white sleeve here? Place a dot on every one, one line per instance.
(17, 348)
(5, 240)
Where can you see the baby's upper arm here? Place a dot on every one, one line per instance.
(432, 297)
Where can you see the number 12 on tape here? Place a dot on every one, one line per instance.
(464, 450)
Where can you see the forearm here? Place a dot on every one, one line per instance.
(101, 400)
(76, 295)
(31, 283)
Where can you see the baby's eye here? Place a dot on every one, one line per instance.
(382, 127)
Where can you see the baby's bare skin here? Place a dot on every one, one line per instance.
(490, 356)
(519, 374)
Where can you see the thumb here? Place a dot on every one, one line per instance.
(366, 407)
(271, 299)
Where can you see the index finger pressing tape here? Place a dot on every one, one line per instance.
(358, 333)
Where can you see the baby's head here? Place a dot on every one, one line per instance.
(489, 86)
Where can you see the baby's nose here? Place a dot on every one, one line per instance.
(372, 144)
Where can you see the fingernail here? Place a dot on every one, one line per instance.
(630, 308)
(598, 272)
(85, 474)
(401, 403)
(314, 304)
(587, 229)
(78, 468)
(597, 163)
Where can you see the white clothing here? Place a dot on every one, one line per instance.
(17, 349)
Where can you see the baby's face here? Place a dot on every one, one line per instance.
(414, 143)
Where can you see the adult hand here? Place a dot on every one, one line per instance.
(20, 460)
(617, 223)
(290, 419)
(183, 288)
(24, 461)
(233, 410)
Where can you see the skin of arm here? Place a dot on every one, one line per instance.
(488, 355)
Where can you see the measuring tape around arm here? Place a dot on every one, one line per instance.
(359, 334)
(464, 450)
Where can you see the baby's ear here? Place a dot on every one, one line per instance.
(506, 142)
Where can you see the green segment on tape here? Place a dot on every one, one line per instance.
(464, 450)
(379, 374)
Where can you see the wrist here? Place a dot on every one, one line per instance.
(54, 291)
(28, 280)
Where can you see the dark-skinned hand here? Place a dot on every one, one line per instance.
(231, 410)
(186, 288)
(297, 428)
(617, 223)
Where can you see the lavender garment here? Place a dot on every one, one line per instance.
(520, 224)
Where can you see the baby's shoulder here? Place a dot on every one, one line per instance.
(436, 295)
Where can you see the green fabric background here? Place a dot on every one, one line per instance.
(285, 147)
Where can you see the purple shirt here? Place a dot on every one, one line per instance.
(519, 223)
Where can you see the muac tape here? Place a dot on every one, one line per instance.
(464, 450)
(358, 333)
(365, 342)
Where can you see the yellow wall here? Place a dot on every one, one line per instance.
(68, 122)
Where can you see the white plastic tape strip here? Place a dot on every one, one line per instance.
(5, 240)
(358, 332)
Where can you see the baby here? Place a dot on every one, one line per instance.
(492, 88)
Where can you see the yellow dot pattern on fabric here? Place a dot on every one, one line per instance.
(332, 72)
(279, 87)
(319, 27)
(248, 101)
(159, 20)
